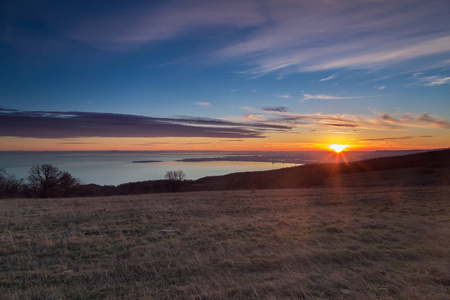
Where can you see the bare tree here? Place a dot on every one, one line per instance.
(176, 179)
(48, 181)
(175, 175)
(9, 185)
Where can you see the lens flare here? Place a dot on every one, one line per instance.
(338, 148)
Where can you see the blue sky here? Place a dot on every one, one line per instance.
(283, 75)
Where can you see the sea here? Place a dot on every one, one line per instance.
(117, 167)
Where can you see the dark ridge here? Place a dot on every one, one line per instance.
(315, 174)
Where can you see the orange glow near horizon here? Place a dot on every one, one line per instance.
(338, 148)
(271, 143)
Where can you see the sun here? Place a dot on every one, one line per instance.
(338, 148)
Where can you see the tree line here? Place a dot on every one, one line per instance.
(47, 181)
(44, 181)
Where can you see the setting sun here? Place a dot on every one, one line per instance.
(338, 148)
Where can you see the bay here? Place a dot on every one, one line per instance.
(117, 167)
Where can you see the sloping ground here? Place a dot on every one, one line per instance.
(392, 178)
(429, 168)
(333, 243)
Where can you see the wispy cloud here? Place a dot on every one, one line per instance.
(328, 97)
(381, 87)
(286, 96)
(383, 58)
(321, 35)
(395, 138)
(204, 143)
(341, 125)
(76, 143)
(272, 35)
(145, 24)
(48, 124)
(153, 144)
(435, 80)
(254, 117)
(375, 121)
(328, 78)
(422, 120)
(6, 109)
(276, 109)
(207, 104)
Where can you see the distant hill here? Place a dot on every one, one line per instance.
(419, 168)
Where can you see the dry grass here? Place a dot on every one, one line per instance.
(349, 243)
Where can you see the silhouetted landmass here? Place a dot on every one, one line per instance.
(145, 161)
(302, 157)
(249, 158)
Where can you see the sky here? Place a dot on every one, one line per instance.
(280, 75)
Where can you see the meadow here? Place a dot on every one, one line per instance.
(317, 243)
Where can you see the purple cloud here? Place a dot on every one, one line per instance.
(341, 125)
(422, 120)
(42, 124)
(276, 109)
(397, 138)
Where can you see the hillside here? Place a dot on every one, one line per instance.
(427, 168)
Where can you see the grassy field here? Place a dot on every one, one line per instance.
(349, 243)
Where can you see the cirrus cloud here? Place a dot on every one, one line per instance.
(328, 97)
(435, 80)
(207, 104)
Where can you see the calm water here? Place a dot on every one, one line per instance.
(116, 167)
(113, 168)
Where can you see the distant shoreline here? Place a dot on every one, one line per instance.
(249, 158)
